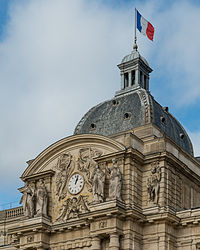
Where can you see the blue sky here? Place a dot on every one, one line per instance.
(59, 58)
(4, 16)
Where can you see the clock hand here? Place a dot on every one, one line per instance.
(76, 180)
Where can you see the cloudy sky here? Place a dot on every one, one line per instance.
(58, 59)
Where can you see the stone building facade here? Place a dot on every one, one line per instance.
(127, 179)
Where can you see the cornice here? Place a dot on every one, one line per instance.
(67, 143)
(44, 174)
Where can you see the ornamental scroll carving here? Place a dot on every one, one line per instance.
(153, 183)
(72, 208)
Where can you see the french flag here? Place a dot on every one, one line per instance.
(145, 27)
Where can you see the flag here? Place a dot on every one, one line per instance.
(145, 27)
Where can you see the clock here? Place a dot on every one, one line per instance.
(75, 184)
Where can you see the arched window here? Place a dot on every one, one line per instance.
(132, 77)
(125, 80)
(145, 82)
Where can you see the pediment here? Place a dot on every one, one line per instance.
(74, 145)
(63, 173)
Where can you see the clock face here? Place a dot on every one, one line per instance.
(75, 184)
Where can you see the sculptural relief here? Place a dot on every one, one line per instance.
(65, 167)
(115, 181)
(41, 199)
(74, 175)
(103, 224)
(28, 200)
(30, 238)
(153, 183)
(86, 164)
(72, 208)
(35, 201)
(14, 238)
(98, 181)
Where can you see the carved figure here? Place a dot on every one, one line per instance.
(72, 208)
(41, 199)
(115, 184)
(28, 200)
(98, 180)
(153, 184)
(14, 238)
(65, 167)
(86, 164)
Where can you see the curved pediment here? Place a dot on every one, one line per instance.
(73, 146)
(61, 180)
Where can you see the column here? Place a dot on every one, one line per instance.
(137, 77)
(142, 80)
(114, 241)
(122, 81)
(147, 82)
(129, 79)
(96, 243)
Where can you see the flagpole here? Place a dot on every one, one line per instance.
(135, 43)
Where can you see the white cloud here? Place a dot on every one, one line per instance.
(178, 42)
(195, 137)
(59, 59)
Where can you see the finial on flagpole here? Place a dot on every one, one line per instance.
(135, 47)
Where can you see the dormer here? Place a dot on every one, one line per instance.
(134, 71)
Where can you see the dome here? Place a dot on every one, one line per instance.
(134, 55)
(129, 111)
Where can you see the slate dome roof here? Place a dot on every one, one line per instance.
(133, 106)
(134, 55)
(129, 111)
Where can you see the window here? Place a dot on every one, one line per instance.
(125, 80)
(141, 82)
(132, 77)
(145, 82)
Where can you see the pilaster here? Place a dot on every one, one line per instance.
(122, 81)
(137, 77)
(129, 79)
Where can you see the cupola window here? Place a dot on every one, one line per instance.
(141, 76)
(134, 72)
(145, 82)
(125, 80)
(132, 77)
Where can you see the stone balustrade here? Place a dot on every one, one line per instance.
(11, 213)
